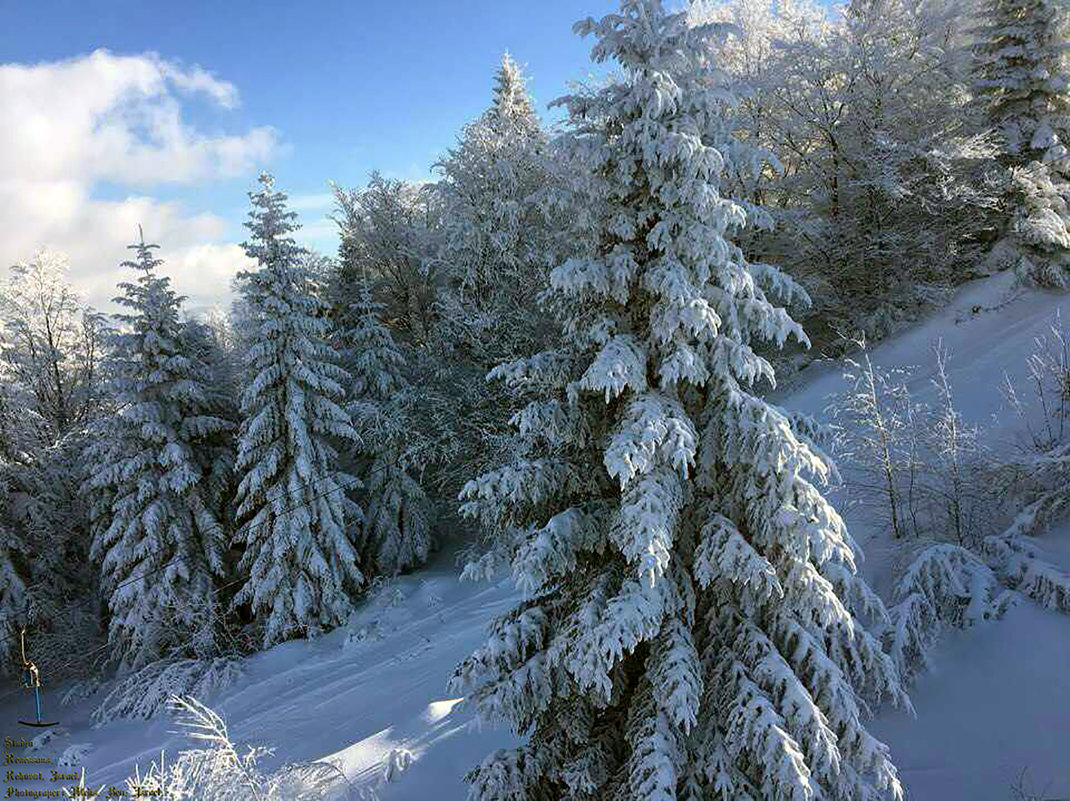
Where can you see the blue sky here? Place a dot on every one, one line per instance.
(347, 86)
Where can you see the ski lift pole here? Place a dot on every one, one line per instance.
(31, 679)
(37, 702)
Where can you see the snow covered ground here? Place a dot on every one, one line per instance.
(997, 702)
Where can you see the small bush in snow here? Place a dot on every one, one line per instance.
(1045, 460)
(396, 763)
(929, 472)
(146, 693)
(218, 770)
(1022, 567)
(381, 613)
(954, 586)
(74, 755)
(946, 586)
(1023, 790)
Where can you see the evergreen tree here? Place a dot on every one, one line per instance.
(692, 623)
(1022, 86)
(512, 102)
(162, 541)
(217, 449)
(296, 523)
(397, 529)
(499, 236)
(500, 213)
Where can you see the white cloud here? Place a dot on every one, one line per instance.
(75, 123)
(196, 79)
(204, 267)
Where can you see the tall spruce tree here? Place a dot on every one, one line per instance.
(1022, 86)
(159, 540)
(692, 622)
(297, 525)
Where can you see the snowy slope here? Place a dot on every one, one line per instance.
(997, 702)
(352, 704)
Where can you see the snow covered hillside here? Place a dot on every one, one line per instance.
(370, 697)
(998, 701)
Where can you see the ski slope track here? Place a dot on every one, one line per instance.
(996, 703)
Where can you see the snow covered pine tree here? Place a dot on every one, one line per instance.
(692, 628)
(161, 520)
(499, 234)
(1023, 87)
(299, 553)
(397, 531)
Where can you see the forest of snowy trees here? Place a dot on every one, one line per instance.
(560, 351)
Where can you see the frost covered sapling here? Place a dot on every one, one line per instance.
(1045, 467)
(876, 434)
(960, 457)
(925, 466)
